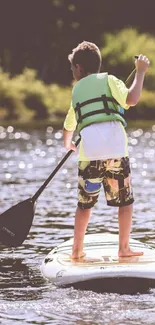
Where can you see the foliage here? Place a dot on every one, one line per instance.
(40, 34)
(145, 109)
(118, 51)
(25, 96)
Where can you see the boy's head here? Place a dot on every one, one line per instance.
(85, 59)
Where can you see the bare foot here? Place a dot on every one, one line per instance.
(129, 253)
(77, 255)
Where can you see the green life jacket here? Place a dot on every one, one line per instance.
(93, 102)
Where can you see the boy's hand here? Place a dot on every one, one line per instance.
(142, 63)
(71, 146)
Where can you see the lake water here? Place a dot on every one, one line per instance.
(27, 159)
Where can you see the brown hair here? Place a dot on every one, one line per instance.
(88, 55)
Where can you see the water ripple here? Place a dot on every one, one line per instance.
(27, 159)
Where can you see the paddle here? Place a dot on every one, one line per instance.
(16, 222)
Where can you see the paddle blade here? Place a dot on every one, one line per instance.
(16, 222)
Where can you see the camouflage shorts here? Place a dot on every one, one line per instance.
(113, 174)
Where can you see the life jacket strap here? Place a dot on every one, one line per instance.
(104, 110)
(105, 104)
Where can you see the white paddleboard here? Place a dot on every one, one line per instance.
(101, 265)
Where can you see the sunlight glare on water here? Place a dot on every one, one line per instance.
(27, 159)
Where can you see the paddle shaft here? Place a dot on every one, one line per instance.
(132, 72)
(40, 190)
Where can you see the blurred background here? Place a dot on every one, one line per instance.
(37, 36)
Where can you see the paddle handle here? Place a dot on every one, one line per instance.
(40, 190)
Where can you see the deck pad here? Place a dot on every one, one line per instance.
(90, 260)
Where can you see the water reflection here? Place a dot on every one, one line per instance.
(18, 279)
(27, 159)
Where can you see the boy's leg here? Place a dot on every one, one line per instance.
(81, 221)
(125, 221)
(118, 191)
(89, 186)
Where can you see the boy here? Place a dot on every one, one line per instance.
(97, 114)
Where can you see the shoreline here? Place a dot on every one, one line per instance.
(58, 124)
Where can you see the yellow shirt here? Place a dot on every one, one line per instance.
(119, 92)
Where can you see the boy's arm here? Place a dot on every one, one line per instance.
(142, 63)
(68, 129)
(67, 136)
